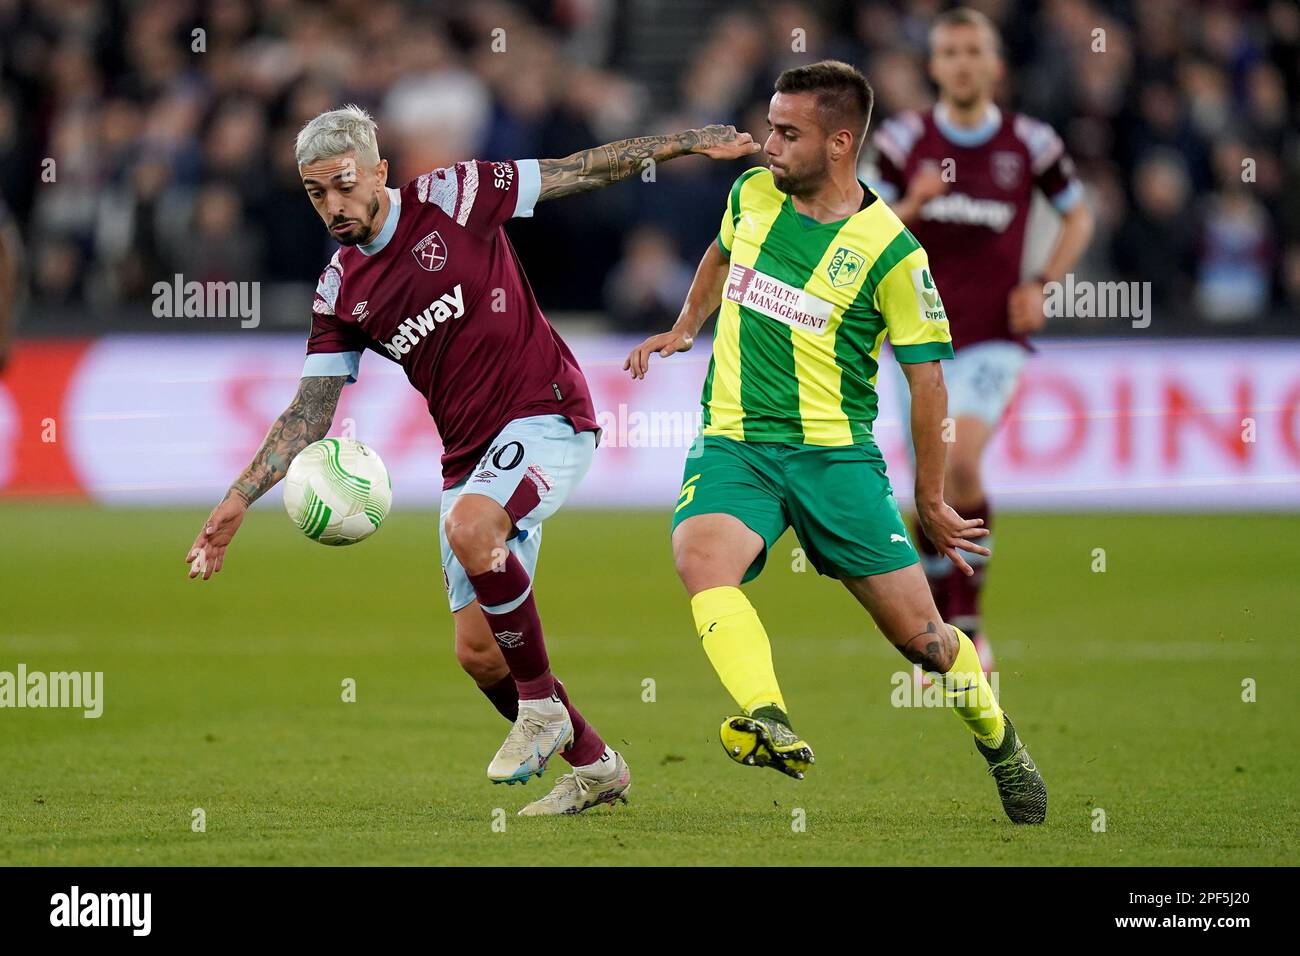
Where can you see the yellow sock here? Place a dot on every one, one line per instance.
(966, 687)
(737, 646)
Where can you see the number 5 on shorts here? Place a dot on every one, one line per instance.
(687, 495)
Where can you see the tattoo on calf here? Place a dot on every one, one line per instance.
(938, 646)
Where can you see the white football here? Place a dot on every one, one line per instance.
(337, 491)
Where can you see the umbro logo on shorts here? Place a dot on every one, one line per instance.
(484, 476)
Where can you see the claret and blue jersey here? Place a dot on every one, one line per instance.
(441, 292)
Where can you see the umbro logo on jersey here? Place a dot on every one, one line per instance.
(430, 252)
(450, 305)
(361, 307)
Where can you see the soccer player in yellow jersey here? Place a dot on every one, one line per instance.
(812, 270)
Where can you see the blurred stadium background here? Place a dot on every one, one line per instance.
(128, 157)
(175, 161)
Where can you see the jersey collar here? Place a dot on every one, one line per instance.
(808, 222)
(968, 136)
(390, 224)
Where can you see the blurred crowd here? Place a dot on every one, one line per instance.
(144, 138)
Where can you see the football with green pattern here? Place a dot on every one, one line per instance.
(337, 491)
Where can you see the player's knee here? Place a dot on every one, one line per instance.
(475, 535)
(685, 559)
(693, 561)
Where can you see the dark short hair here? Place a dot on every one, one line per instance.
(967, 17)
(844, 97)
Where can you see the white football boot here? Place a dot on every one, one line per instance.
(584, 788)
(542, 729)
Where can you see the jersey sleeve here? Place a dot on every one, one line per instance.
(333, 347)
(890, 148)
(908, 300)
(731, 215)
(1049, 163)
(481, 196)
(727, 232)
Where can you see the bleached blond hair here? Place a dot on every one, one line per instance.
(336, 132)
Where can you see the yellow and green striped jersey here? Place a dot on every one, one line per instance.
(805, 308)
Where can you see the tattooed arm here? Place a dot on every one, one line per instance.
(592, 168)
(307, 419)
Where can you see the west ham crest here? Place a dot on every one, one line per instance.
(430, 252)
(1006, 169)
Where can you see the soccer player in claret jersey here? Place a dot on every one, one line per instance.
(962, 177)
(812, 270)
(427, 278)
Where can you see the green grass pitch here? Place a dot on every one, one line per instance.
(227, 696)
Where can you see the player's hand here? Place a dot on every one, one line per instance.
(951, 533)
(723, 142)
(209, 550)
(926, 183)
(665, 343)
(1025, 309)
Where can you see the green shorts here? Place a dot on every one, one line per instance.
(837, 499)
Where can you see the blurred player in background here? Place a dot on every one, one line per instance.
(811, 271)
(427, 277)
(962, 177)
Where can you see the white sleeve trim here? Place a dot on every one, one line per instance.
(329, 364)
(467, 173)
(530, 187)
(440, 188)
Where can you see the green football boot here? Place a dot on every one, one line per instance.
(1020, 785)
(766, 742)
